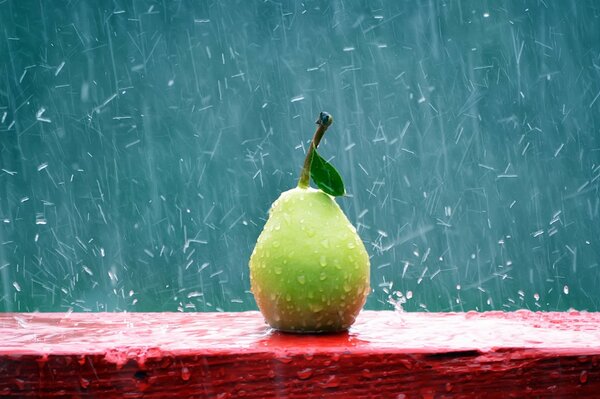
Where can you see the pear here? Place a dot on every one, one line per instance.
(309, 271)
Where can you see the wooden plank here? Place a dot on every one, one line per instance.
(227, 355)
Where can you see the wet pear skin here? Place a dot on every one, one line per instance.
(309, 271)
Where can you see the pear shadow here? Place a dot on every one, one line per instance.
(326, 341)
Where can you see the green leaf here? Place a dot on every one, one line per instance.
(325, 176)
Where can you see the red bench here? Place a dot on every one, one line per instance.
(229, 355)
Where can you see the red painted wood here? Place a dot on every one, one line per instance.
(227, 355)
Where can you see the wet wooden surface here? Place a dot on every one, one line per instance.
(228, 355)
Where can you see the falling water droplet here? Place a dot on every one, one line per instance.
(301, 280)
(323, 261)
(566, 289)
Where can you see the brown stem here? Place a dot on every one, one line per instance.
(324, 121)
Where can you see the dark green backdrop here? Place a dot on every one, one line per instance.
(142, 142)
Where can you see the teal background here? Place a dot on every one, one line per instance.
(142, 143)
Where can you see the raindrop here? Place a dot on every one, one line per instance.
(305, 374)
(566, 289)
(315, 307)
(185, 374)
(284, 359)
(331, 382)
(583, 377)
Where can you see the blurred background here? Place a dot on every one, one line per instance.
(142, 143)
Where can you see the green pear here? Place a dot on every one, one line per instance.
(309, 271)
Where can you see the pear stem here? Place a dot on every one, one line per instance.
(324, 121)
